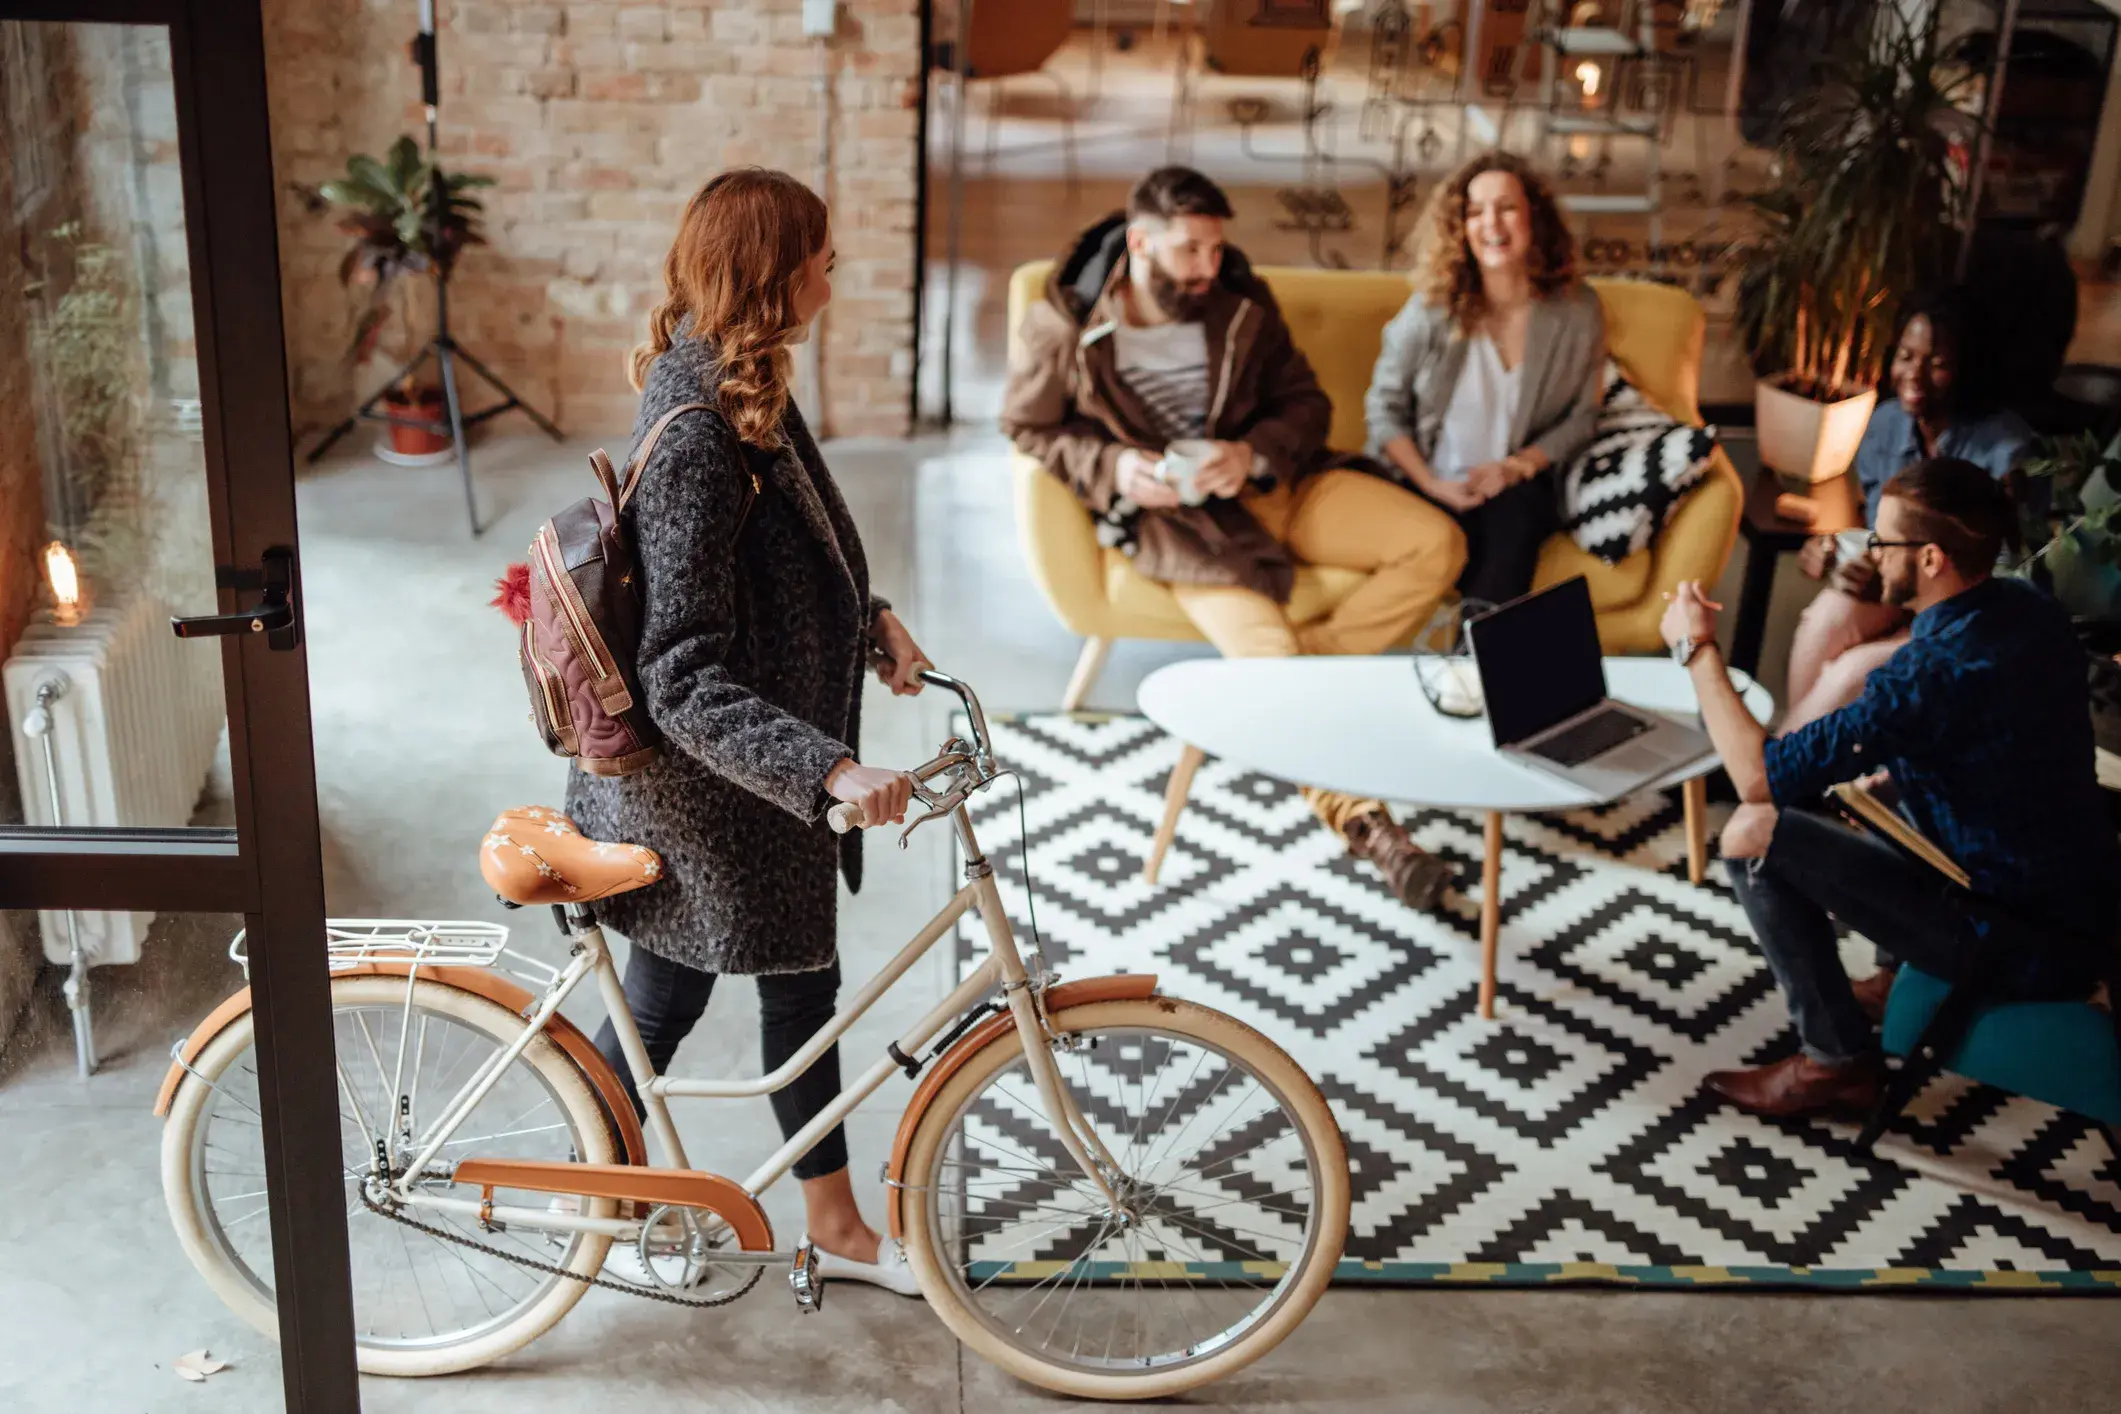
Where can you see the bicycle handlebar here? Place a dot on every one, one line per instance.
(848, 816)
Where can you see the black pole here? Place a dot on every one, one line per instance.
(1991, 112)
(426, 52)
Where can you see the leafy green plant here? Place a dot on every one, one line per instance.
(389, 208)
(87, 345)
(1861, 213)
(86, 341)
(2083, 507)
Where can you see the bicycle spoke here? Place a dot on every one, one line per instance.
(1082, 1288)
(412, 1288)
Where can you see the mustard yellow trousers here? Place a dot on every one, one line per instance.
(1409, 551)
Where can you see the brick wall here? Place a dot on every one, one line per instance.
(599, 119)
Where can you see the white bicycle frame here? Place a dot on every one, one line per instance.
(969, 769)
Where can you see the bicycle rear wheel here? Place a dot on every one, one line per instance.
(1232, 1178)
(423, 1305)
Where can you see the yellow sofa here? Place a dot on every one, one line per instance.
(1337, 318)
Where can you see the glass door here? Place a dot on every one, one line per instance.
(157, 781)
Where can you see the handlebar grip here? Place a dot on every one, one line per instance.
(844, 817)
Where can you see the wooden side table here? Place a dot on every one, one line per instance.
(1830, 507)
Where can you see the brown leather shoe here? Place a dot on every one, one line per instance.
(1416, 877)
(1872, 991)
(1800, 1086)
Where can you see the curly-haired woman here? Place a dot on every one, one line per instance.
(757, 623)
(1490, 374)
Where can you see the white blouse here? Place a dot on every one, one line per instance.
(1476, 426)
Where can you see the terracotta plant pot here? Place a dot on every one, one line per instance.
(426, 406)
(1804, 440)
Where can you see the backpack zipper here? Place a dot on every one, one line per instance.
(573, 613)
(554, 716)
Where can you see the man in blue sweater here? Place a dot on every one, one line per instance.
(1983, 722)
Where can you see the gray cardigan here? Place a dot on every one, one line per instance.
(754, 642)
(1424, 351)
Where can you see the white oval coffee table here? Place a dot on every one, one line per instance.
(1363, 726)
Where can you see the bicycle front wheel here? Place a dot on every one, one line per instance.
(423, 1304)
(1231, 1181)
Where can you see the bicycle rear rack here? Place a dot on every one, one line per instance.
(422, 943)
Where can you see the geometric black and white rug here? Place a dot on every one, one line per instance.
(1567, 1140)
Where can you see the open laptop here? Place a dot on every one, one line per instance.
(1544, 682)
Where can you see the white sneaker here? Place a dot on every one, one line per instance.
(623, 1262)
(890, 1270)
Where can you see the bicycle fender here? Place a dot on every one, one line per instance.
(494, 988)
(1120, 987)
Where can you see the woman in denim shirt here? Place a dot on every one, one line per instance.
(1939, 408)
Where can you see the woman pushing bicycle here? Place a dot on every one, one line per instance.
(757, 622)
(1103, 1189)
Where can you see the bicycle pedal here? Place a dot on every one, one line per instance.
(805, 1280)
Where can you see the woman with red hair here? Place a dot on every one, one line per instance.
(757, 624)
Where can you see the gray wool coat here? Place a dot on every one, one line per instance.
(751, 661)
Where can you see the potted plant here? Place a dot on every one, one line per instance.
(2075, 536)
(1860, 213)
(389, 207)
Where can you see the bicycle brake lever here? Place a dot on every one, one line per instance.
(938, 807)
(916, 822)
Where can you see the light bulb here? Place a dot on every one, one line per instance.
(64, 577)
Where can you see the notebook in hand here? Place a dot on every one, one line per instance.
(1866, 809)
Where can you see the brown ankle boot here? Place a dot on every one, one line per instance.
(1415, 877)
(1798, 1085)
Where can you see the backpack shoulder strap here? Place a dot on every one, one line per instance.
(622, 492)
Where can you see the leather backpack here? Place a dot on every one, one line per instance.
(577, 604)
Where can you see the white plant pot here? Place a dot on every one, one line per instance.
(1805, 440)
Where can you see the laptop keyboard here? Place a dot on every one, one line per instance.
(1590, 737)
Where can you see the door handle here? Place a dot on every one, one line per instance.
(274, 613)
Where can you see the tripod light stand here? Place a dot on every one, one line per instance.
(442, 347)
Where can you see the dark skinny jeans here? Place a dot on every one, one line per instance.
(1817, 870)
(668, 998)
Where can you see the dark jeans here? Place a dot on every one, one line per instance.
(668, 998)
(1815, 867)
(1503, 537)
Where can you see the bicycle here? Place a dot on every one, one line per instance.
(1056, 1206)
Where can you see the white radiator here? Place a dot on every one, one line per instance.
(134, 734)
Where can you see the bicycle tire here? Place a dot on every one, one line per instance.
(186, 1136)
(1304, 1280)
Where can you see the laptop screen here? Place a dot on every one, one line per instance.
(1539, 661)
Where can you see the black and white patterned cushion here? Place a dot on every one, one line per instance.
(1619, 492)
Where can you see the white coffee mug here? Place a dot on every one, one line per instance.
(1851, 546)
(1181, 467)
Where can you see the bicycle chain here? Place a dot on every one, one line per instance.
(625, 1287)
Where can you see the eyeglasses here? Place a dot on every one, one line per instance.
(1874, 544)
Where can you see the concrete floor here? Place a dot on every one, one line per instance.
(421, 739)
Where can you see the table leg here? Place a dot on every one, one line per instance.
(1174, 801)
(1490, 912)
(1695, 795)
(1753, 595)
